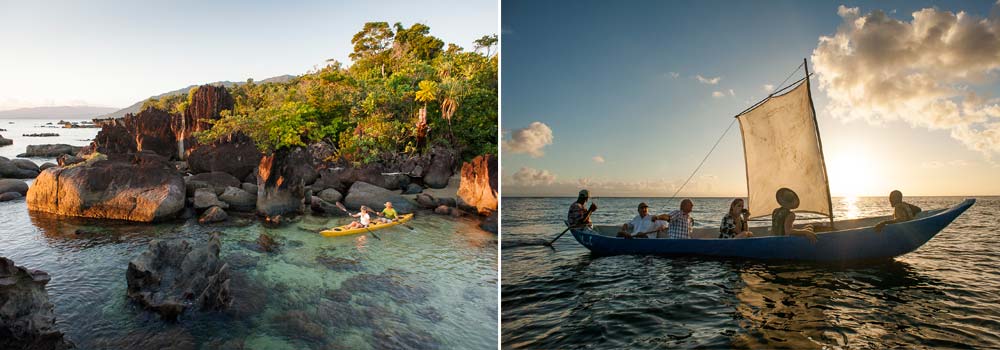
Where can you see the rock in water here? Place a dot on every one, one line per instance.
(440, 168)
(146, 189)
(11, 185)
(479, 183)
(16, 169)
(213, 214)
(490, 224)
(5, 142)
(9, 196)
(443, 210)
(46, 165)
(330, 195)
(363, 193)
(267, 243)
(239, 199)
(427, 201)
(281, 181)
(27, 320)
(49, 151)
(173, 276)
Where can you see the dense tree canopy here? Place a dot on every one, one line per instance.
(371, 108)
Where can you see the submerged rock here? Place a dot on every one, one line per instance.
(173, 276)
(9, 196)
(213, 214)
(339, 264)
(144, 188)
(267, 243)
(27, 320)
(490, 224)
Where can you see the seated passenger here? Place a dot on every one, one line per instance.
(783, 219)
(364, 218)
(902, 211)
(680, 222)
(734, 224)
(641, 226)
(388, 214)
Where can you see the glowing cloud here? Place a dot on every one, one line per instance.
(529, 140)
(598, 159)
(533, 177)
(709, 81)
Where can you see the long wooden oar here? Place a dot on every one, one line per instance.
(341, 206)
(549, 244)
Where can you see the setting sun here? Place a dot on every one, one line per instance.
(852, 173)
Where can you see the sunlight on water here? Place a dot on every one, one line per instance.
(850, 205)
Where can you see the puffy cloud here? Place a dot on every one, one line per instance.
(879, 69)
(533, 177)
(674, 75)
(598, 159)
(718, 94)
(709, 81)
(529, 140)
(768, 88)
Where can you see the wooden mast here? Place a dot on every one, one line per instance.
(826, 178)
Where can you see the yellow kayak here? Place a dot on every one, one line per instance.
(346, 230)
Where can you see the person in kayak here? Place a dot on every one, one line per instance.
(902, 211)
(364, 219)
(577, 216)
(734, 224)
(388, 214)
(680, 222)
(641, 226)
(783, 219)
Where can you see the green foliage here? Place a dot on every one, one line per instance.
(370, 108)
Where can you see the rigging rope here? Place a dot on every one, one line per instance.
(727, 131)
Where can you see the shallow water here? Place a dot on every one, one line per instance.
(431, 287)
(945, 294)
(75, 137)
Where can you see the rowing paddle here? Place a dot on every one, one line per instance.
(341, 206)
(549, 244)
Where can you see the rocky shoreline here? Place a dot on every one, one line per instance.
(148, 167)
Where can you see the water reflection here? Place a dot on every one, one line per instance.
(850, 205)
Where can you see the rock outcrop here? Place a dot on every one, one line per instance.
(281, 181)
(49, 151)
(363, 193)
(237, 156)
(27, 320)
(440, 169)
(173, 276)
(142, 187)
(479, 184)
(149, 131)
(207, 103)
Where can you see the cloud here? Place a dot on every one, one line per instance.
(732, 93)
(533, 177)
(674, 75)
(529, 140)
(768, 88)
(598, 159)
(880, 70)
(718, 94)
(934, 164)
(709, 81)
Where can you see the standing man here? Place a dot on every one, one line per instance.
(681, 224)
(578, 216)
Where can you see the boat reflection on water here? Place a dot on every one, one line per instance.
(816, 305)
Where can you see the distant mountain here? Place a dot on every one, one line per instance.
(60, 112)
(134, 108)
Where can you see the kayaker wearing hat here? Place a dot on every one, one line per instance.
(640, 226)
(783, 219)
(579, 217)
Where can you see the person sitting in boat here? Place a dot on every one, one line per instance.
(641, 226)
(902, 211)
(734, 224)
(783, 219)
(679, 221)
(388, 214)
(364, 219)
(578, 216)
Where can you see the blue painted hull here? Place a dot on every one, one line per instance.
(854, 244)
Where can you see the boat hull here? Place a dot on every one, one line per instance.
(853, 244)
(345, 231)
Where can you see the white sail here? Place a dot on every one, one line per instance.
(782, 149)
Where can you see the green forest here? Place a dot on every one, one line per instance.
(405, 93)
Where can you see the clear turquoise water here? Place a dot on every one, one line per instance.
(944, 295)
(432, 287)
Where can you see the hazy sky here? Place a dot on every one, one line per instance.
(114, 53)
(626, 98)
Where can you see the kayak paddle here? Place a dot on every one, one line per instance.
(341, 206)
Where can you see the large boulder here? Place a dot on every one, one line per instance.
(363, 193)
(49, 151)
(343, 178)
(330, 195)
(479, 184)
(27, 320)
(217, 180)
(12, 185)
(142, 187)
(26, 165)
(237, 156)
(440, 169)
(238, 199)
(281, 181)
(175, 275)
(205, 198)
(16, 169)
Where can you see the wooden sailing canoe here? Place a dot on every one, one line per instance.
(346, 230)
(853, 240)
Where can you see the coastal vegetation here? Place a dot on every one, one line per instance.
(405, 93)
